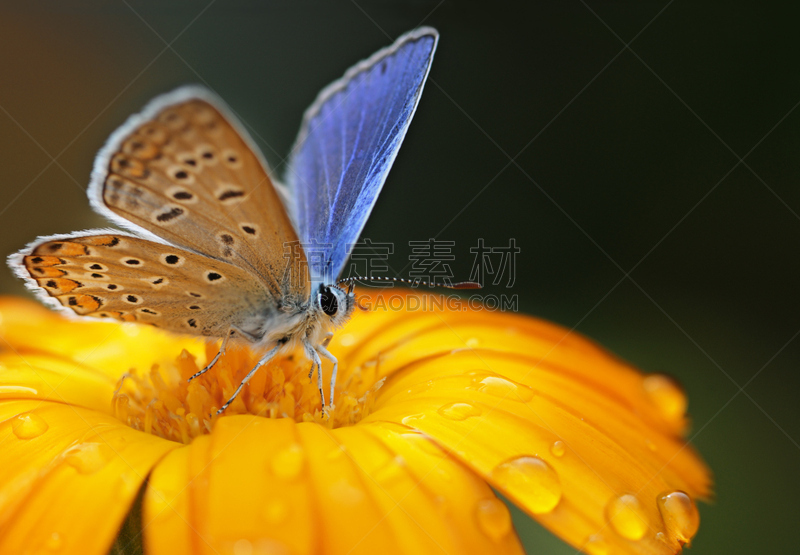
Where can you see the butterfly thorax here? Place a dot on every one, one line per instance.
(328, 309)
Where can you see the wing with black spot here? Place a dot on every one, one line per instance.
(185, 171)
(130, 279)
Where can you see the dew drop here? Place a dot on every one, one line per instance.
(54, 542)
(627, 517)
(345, 493)
(276, 512)
(493, 518)
(127, 486)
(243, 547)
(459, 411)
(131, 330)
(268, 546)
(558, 448)
(12, 390)
(667, 395)
(347, 339)
(596, 545)
(472, 342)
(442, 475)
(392, 472)
(289, 462)
(412, 420)
(442, 506)
(502, 387)
(336, 454)
(531, 481)
(28, 425)
(87, 458)
(680, 515)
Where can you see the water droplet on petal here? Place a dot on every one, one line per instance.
(346, 493)
(472, 342)
(289, 462)
(276, 511)
(531, 481)
(420, 388)
(493, 518)
(242, 547)
(443, 506)
(7, 391)
(347, 339)
(596, 545)
(131, 330)
(443, 475)
(337, 453)
(28, 425)
(161, 499)
(412, 419)
(127, 486)
(558, 448)
(54, 542)
(680, 515)
(459, 411)
(392, 472)
(88, 458)
(667, 395)
(502, 387)
(268, 546)
(627, 517)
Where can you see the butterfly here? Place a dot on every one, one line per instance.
(213, 246)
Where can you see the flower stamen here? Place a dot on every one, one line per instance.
(162, 402)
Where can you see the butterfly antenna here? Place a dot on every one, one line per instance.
(460, 285)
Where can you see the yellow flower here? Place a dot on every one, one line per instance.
(433, 408)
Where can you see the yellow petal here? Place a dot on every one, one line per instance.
(69, 476)
(111, 348)
(47, 377)
(406, 471)
(582, 441)
(260, 485)
(245, 484)
(570, 433)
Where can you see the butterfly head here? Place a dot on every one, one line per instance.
(335, 303)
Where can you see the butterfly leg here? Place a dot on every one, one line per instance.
(311, 353)
(324, 352)
(216, 357)
(265, 359)
(327, 340)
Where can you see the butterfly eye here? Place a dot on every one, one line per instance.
(328, 302)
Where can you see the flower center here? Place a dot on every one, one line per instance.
(162, 402)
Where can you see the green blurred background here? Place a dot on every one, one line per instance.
(617, 171)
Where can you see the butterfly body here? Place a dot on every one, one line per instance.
(213, 246)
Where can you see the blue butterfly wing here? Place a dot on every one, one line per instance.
(348, 141)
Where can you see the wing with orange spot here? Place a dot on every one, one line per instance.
(185, 171)
(118, 276)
